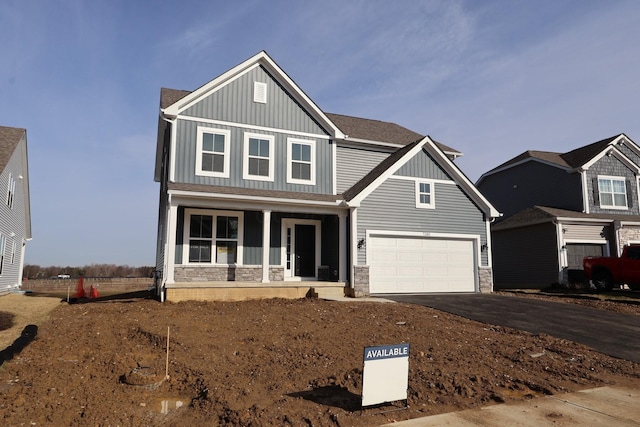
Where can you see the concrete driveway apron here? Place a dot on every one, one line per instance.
(615, 334)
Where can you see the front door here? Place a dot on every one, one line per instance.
(305, 250)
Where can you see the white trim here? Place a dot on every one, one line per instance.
(289, 274)
(489, 246)
(431, 193)
(562, 253)
(342, 246)
(254, 127)
(312, 162)
(241, 201)
(199, 151)
(617, 154)
(266, 244)
(245, 156)
(613, 178)
(413, 178)
(173, 143)
(170, 242)
(334, 166)
(585, 192)
(215, 214)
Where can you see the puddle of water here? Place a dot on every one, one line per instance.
(165, 405)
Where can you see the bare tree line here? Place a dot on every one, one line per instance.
(93, 270)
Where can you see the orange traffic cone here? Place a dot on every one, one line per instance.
(80, 289)
(93, 292)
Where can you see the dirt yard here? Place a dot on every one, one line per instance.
(271, 362)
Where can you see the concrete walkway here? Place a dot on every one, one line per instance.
(604, 406)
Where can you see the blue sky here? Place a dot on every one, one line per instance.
(489, 78)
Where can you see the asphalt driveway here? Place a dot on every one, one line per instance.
(615, 334)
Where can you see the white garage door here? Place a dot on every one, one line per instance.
(414, 265)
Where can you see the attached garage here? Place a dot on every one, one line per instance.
(416, 264)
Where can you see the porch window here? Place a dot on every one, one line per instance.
(258, 158)
(213, 236)
(425, 197)
(11, 191)
(301, 161)
(212, 155)
(612, 192)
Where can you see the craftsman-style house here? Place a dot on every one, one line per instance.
(15, 208)
(559, 208)
(264, 194)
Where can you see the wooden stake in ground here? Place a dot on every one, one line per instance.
(167, 368)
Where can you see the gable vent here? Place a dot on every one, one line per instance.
(260, 92)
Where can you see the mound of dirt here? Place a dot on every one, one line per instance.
(275, 362)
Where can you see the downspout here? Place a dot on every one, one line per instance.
(561, 250)
(585, 193)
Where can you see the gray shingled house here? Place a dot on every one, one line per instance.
(15, 209)
(559, 208)
(263, 194)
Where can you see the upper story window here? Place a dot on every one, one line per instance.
(258, 157)
(425, 195)
(213, 237)
(612, 192)
(301, 161)
(3, 247)
(212, 152)
(11, 191)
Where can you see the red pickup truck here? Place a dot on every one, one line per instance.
(605, 272)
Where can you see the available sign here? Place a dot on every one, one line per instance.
(385, 376)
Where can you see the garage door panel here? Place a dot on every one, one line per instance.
(414, 265)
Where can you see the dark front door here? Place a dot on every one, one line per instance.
(305, 250)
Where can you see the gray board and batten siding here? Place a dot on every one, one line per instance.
(186, 160)
(233, 104)
(525, 257)
(392, 207)
(611, 166)
(513, 189)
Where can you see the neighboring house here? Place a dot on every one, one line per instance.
(264, 194)
(559, 208)
(15, 210)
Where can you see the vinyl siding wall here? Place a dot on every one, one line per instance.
(525, 257)
(186, 160)
(13, 220)
(423, 166)
(532, 183)
(352, 164)
(392, 207)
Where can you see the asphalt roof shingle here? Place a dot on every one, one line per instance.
(9, 139)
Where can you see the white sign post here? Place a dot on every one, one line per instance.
(385, 376)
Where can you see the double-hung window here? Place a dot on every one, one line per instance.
(212, 152)
(3, 247)
(258, 157)
(213, 237)
(11, 191)
(612, 192)
(425, 195)
(301, 167)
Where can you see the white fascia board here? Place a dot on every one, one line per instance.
(632, 145)
(570, 220)
(617, 154)
(461, 178)
(25, 185)
(241, 200)
(262, 58)
(512, 165)
(386, 174)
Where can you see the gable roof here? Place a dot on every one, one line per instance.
(396, 160)
(541, 214)
(9, 139)
(570, 160)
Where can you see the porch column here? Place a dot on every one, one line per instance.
(170, 245)
(354, 244)
(342, 249)
(266, 239)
